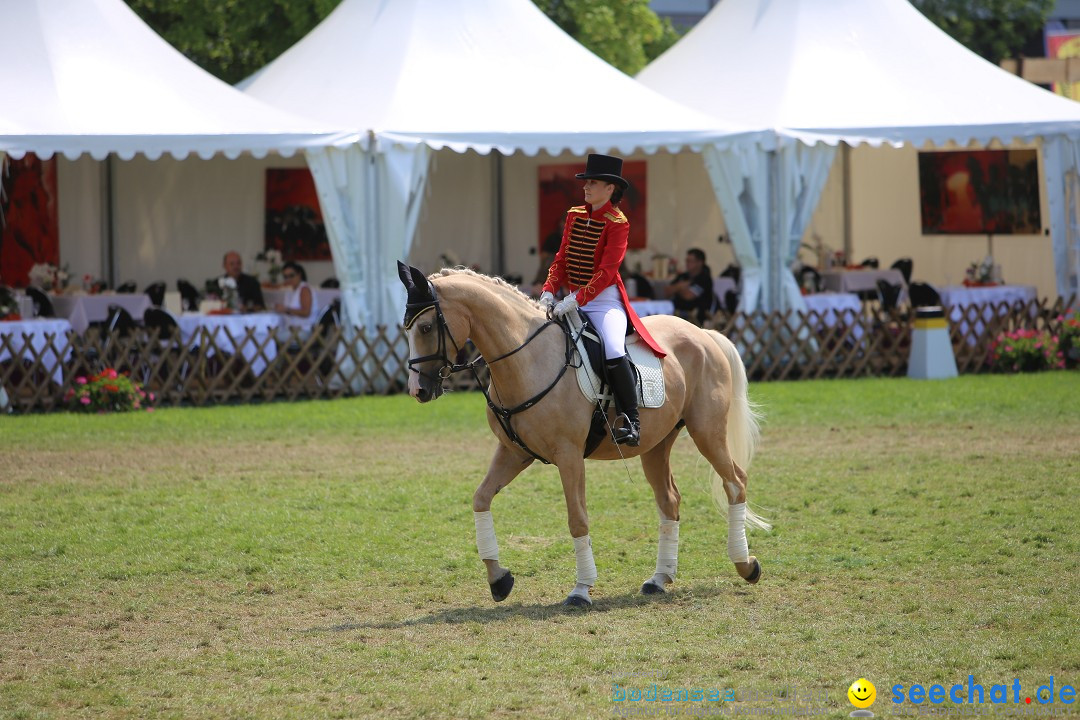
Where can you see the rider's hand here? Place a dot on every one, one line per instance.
(567, 305)
(547, 300)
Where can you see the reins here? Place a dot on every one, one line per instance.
(448, 368)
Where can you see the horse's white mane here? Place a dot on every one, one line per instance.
(497, 281)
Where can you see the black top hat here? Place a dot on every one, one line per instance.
(604, 167)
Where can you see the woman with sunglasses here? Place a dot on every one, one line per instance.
(299, 306)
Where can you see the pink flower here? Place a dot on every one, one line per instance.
(84, 400)
(81, 380)
(149, 409)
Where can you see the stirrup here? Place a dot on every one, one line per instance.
(627, 433)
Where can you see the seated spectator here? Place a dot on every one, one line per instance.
(692, 291)
(299, 306)
(248, 289)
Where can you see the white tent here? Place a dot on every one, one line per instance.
(874, 72)
(88, 76)
(422, 75)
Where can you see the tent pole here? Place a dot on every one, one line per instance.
(846, 159)
(773, 261)
(108, 259)
(497, 234)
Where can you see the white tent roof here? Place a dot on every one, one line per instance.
(477, 74)
(88, 76)
(860, 70)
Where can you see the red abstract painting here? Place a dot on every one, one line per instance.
(29, 228)
(294, 220)
(560, 190)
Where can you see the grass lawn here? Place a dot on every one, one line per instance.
(318, 560)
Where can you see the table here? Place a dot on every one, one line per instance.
(259, 350)
(644, 308)
(81, 310)
(960, 297)
(721, 286)
(832, 308)
(865, 280)
(37, 338)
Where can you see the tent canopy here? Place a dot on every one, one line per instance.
(861, 71)
(474, 74)
(852, 71)
(88, 76)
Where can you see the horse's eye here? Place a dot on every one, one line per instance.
(425, 329)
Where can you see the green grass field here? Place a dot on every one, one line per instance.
(318, 560)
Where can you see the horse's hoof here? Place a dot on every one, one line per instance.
(500, 589)
(651, 588)
(577, 601)
(755, 573)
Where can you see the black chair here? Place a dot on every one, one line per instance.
(731, 301)
(330, 284)
(127, 288)
(732, 271)
(889, 294)
(161, 320)
(120, 321)
(904, 265)
(156, 293)
(923, 295)
(42, 304)
(870, 262)
(189, 296)
(331, 316)
(815, 278)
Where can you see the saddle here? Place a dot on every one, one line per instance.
(592, 380)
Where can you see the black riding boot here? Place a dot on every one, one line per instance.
(624, 388)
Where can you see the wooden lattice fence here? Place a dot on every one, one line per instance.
(216, 366)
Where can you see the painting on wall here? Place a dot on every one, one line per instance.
(294, 220)
(981, 192)
(560, 190)
(29, 225)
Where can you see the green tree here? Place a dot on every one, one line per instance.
(233, 38)
(994, 29)
(625, 33)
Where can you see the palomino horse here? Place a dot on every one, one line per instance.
(537, 412)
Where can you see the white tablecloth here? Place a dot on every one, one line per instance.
(644, 308)
(46, 336)
(860, 280)
(720, 287)
(221, 327)
(81, 310)
(320, 296)
(831, 307)
(960, 297)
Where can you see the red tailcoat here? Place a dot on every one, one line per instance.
(592, 249)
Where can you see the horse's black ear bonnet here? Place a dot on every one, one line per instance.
(421, 292)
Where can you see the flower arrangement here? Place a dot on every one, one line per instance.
(49, 277)
(272, 257)
(980, 273)
(1070, 337)
(108, 391)
(228, 292)
(1025, 351)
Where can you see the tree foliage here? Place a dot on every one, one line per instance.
(994, 29)
(233, 38)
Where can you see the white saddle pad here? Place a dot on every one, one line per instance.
(651, 388)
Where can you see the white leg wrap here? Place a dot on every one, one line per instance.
(737, 549)
(486, 543)
(586, 568)
(667, 552)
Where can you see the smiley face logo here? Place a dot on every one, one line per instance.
(862, 693)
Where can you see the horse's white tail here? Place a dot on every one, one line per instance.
(743, 430)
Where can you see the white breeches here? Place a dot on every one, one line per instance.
(607, 314)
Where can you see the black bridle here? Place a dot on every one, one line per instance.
(414, 310)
